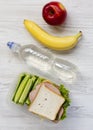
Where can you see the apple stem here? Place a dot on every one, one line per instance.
(51, 12)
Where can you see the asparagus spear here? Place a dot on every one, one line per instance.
(21, 77)
(39, 80)
(27, 101)
(21, 88)
(26, 90)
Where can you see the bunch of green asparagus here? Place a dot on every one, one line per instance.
(25, 84)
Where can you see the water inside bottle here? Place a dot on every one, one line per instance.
(42, 60)
(65, 70)
(36, 57)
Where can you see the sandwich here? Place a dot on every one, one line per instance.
(43, 97)
(49, 101)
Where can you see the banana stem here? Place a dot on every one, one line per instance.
(79, 34)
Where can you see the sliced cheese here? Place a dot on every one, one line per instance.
(47, 103)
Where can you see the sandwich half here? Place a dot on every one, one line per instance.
(49, 101)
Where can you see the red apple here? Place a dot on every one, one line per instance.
(54, 13)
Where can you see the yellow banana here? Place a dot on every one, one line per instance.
(53, 42)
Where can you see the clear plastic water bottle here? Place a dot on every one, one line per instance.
(44, 61)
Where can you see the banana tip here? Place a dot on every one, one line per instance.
(24, 20)
(80, 32)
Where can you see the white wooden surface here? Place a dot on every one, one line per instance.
(80, 17)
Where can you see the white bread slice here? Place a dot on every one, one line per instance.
(47, 103)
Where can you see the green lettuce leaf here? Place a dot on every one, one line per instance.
(65, 94)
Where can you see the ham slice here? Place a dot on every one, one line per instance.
(60, 113)
(52, 87)
(34, 92)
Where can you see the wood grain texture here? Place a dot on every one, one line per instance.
(12, 14)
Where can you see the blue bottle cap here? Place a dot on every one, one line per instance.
(10, 44)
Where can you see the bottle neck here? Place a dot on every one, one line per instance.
(15, 48)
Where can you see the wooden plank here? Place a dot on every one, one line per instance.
(12, 14)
